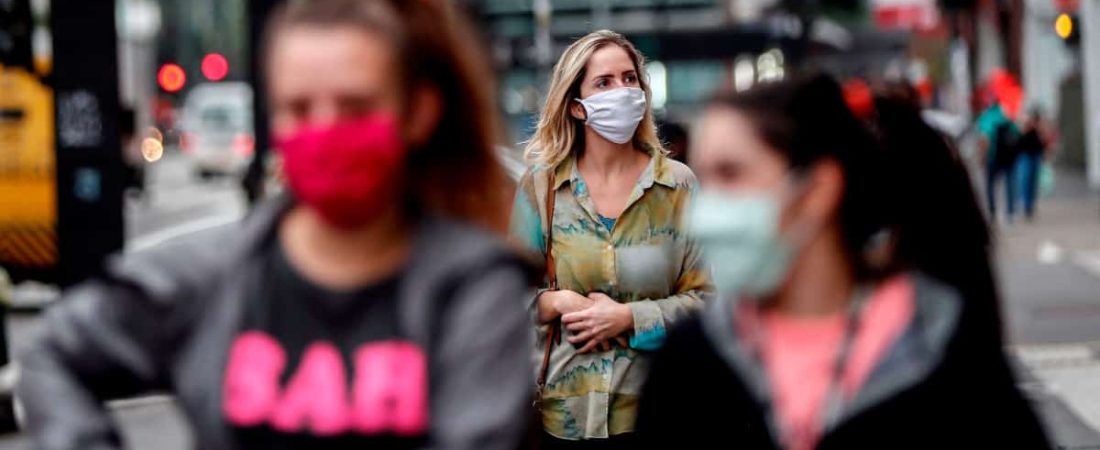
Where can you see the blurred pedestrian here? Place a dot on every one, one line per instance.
(366, 310)
(1033, 148)
(999, 136)
(675, 137)
(625, 270)
(132, 159)
(830, 333)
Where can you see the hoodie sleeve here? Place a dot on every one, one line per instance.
(110, 337)
(483, 395)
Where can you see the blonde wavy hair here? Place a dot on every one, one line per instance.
(558, 132)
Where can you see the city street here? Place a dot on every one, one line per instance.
(1049, 269)
(732, 87)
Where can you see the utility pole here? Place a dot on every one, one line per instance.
(1090, 49)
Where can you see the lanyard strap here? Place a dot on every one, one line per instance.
(834, 396)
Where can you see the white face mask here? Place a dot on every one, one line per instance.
(615, 114)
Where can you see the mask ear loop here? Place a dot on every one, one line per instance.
(879, 249)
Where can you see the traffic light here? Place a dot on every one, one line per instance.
(171, 78)
(215, 67)
(16, 26)
(1067, 27)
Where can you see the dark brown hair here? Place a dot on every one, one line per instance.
(806, 120)
(900, 176)
(455, 173)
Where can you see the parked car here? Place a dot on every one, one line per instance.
(217, 128)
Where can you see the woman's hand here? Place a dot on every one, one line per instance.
(605, 321)
(553, 304)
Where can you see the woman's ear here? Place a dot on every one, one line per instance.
(576, 109)
(423, 116)
(824, 191)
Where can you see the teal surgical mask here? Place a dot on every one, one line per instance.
(741, 241)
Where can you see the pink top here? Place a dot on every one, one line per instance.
(799, 355)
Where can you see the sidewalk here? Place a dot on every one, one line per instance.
(1070, 217)
(1049, 273)
(1050, 268)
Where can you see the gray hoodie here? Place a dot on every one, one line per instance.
(164, 319)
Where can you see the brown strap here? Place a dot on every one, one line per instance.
(551, 269)
(552, 333)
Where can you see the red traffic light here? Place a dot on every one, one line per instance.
(215, 67)
(171, 78)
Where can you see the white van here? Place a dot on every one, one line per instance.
(217, 128)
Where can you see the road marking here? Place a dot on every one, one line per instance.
(154, 239)
(1055, 355)
(1050, 253)
(182, 198)
(1090, 261)
(1069, 371)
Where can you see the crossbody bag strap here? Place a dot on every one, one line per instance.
(553, 328)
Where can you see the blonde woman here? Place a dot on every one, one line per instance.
(625, 272)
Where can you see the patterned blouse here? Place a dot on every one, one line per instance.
(645, 260)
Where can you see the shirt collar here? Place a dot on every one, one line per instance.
(657, 171)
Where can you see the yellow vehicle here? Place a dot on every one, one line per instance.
(28, 209)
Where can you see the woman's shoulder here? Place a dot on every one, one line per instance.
(179, 265)
(535, 171)
(676, 174)
(452, 245)
(466, 266)
(457, 235)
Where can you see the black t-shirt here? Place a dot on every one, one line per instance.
(316, 369)
(1007, 148)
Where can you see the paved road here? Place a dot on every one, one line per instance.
(177, 200)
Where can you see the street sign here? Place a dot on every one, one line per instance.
(89, 156)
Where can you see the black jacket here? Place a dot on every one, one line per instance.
(939, 387)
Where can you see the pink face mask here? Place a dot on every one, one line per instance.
(347, 172)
